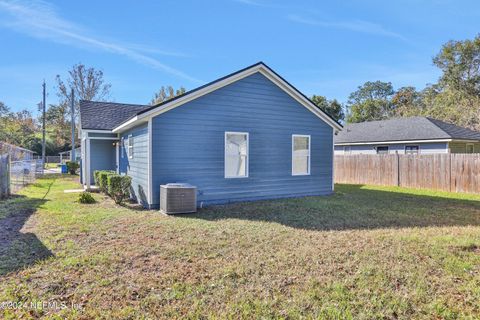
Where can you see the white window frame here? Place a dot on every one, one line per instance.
(309, 153)
(247, 164)
(130, 146)
(412, 145)
(473, 148)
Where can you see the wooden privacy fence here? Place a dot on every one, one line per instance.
(4, 176)
(447, 172)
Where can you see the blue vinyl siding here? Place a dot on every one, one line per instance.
(102, 156)
(188, 144)
(136, 167)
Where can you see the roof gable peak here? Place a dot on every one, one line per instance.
(226, 80)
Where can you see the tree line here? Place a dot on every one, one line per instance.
(454, 98)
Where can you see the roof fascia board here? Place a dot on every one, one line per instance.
(126, 125)
(97, 131)
(224, 82)
(393, 142)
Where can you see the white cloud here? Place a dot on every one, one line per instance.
(40, 19)
(355, 25)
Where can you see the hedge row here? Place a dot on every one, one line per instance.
(113, 184)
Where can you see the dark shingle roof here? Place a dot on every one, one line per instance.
(106, 115)
(400, 129)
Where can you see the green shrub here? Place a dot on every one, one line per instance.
(72, 167)
(96, 176)
(101, 179)
(86, 197)
(119, 187)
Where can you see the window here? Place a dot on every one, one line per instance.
(382, 150)
(469, 148)
(347, 150)
(411, 149)
(300, 155)
(236, 154)
(130, 146)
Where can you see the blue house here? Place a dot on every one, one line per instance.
(247, 136)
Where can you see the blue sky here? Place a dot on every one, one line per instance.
(321, 47)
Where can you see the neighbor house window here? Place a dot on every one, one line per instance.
(300, 155)
(411, 149)
(382, 150)
(130, 146)
(469, 148)
(236, 154)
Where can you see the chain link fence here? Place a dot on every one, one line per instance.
(24, 172)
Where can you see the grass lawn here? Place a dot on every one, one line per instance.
(363, 253)
(51, 165)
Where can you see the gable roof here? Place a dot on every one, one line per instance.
(261, 67)
(106, 115)
(403, 129)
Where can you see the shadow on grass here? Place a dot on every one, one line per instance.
(19, 249)
(352, 207)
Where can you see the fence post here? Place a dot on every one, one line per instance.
(450, 171)
(8, 175)
(398, 169)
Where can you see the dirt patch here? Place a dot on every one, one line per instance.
(11, 226)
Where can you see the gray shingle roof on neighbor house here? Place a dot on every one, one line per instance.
(106, 115)
(403, 129)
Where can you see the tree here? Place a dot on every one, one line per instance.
(331, 107)
(407, 102)
(87, 84)
(460, 64)
(58, 125)
(166, 93)
(18, 128)
(371, 101)
(456, 97)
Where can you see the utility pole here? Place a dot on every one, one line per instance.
(43, 123)
(72, 111)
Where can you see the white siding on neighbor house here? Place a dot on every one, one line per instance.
(424, 148)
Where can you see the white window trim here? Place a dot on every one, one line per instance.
(466, 148)
(130, 146)
(309, 153)
(412, 145)
(247, 169)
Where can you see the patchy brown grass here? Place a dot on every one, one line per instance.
(363, 253)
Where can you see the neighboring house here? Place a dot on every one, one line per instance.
(414, 135)
(16, 153)
(65, 155)
(247, 136)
